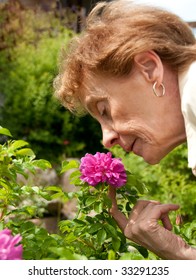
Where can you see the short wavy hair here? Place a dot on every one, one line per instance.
(115, 32)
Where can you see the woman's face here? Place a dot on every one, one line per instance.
(131, 116)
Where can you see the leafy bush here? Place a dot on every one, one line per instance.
(17, 158)
(27, 105)
(91, 234)
(93, 226)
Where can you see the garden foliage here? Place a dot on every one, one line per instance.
(29, 56)
(92, 233)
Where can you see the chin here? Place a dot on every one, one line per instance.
(152, 160)
(150, 154)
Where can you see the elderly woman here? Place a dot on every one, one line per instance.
(134, 71)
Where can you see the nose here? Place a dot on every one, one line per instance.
(110, 138)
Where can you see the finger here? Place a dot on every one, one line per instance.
(139, 207)
(119, 217)
(166, 222)
(159, 212)
(162, 211)
(165, 217)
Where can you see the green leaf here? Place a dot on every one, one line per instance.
(110, 230)
(66, 254)
(5, 131)
(53, 188)
(25, 152)
(66, 226)
(94, 228)
(36, 189)
(67, 165)
(132, 181)
(107, 201)
(90, 200)
(101, 236)
(98, 206)
(75, 173)
(80, 222)
(111, 255)
(143, 251)
(59, 193)
(42, 163)
(18, 144)
(27, 227)
(1, 226)
(75, 178)
(131, 256)
(116, 243)
(128, 207)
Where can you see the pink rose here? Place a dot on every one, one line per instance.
(9, 250)
(101, 168)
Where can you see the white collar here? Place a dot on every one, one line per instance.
(187, 85)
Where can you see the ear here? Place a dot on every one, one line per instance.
(150, 65)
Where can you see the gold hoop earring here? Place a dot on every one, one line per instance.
(155, 92)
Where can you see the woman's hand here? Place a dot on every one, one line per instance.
(143, 228)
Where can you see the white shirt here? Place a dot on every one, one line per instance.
(187, 84)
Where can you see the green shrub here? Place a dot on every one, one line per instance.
(92, 233)
(92, 226)
(27, 105)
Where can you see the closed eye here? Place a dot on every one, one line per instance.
(101, 107)
(103, 112)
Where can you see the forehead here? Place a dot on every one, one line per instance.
(93, 89)
(99, 88)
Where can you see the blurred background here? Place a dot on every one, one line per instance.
(32, 33)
